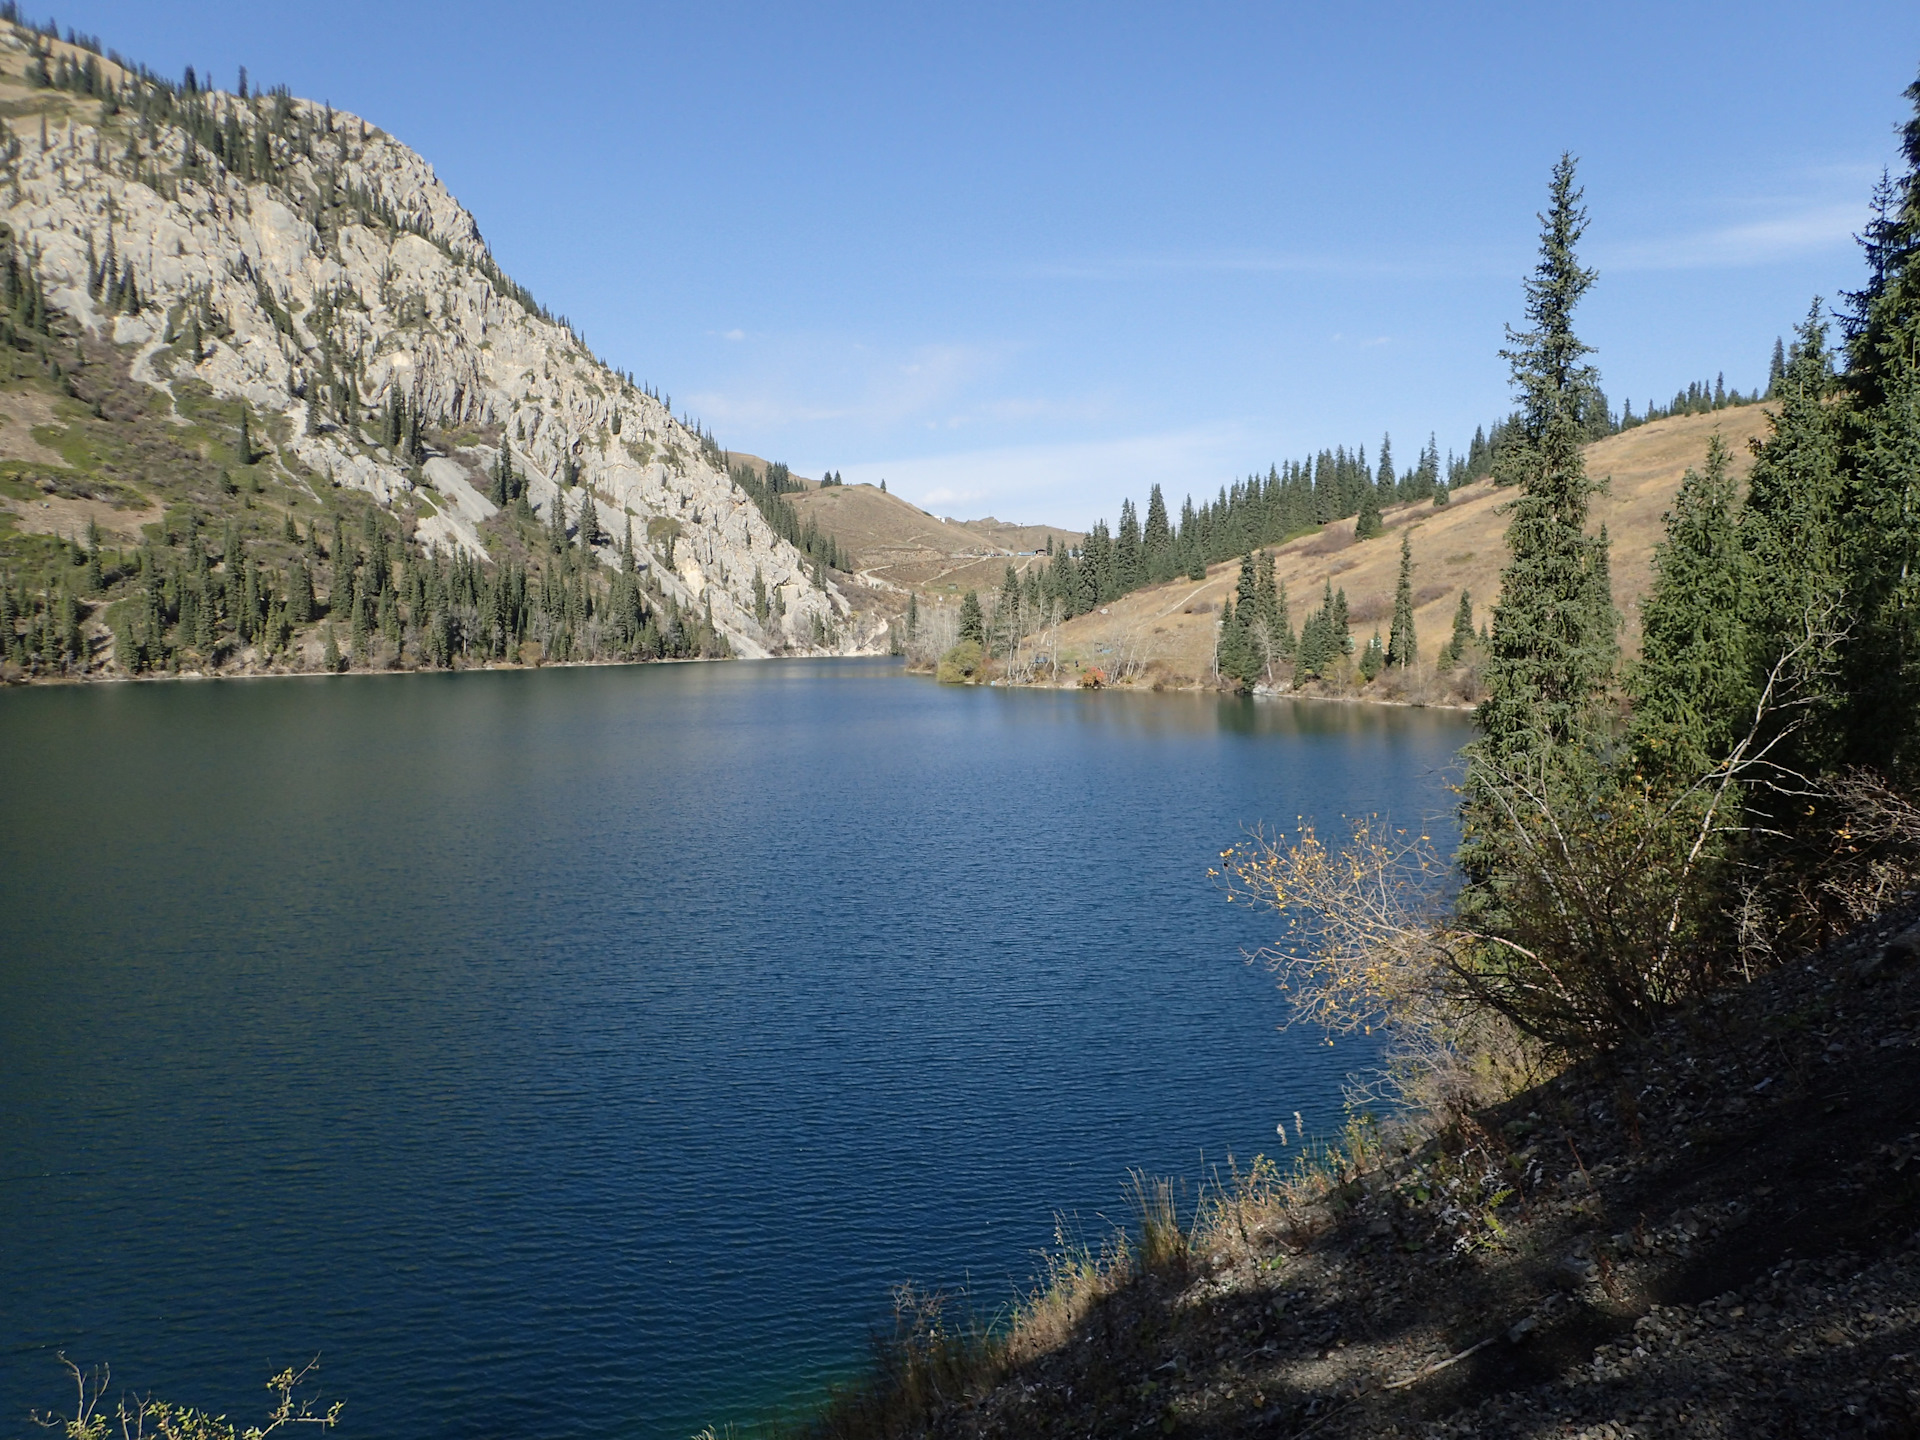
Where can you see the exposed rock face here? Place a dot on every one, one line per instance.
(338, 275)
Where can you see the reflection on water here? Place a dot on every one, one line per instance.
(586, 1052)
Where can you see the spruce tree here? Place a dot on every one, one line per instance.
(1790, 534)
(1881, 546)
(1402, 647)
(1368, 523)
(1373, 658)
(1156, 536)
(1692, 688)
(1552, 644)
(973, 625)
(1463, 638)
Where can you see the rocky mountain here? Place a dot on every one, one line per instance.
(296, 259)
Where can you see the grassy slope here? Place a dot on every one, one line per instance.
(902, 545)
(1459, 547)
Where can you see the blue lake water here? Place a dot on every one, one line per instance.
(586, 1052)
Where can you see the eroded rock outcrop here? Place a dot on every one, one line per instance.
(302, 259)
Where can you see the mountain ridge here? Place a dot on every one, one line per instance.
(300, 260)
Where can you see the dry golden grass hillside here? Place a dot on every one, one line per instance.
(1166, 633)
(900, 545)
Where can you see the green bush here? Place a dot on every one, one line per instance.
(964, 664)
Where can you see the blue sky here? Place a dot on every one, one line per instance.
(1027, 259)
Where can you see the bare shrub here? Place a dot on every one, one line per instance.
(936, 632)
(137, 1418)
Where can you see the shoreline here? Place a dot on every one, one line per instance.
(44, 682)
(1260, 693)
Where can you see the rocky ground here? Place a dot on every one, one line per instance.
(1713, 1234)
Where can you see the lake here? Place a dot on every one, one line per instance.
(586, 1052)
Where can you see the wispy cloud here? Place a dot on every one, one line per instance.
(805, 382)
(1065, 483)
(1242, 262)
(872, 390)
(1785, 235)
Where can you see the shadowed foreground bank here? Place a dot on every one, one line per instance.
(1710, 1233)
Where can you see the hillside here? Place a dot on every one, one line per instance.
(263, 318)
(1166, 633)
(1706, 1234)
(899, 547)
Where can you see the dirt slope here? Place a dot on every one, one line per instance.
(1710, 1234)
(1171, 628)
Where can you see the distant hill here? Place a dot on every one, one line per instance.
(1167, 632)
(898, 547)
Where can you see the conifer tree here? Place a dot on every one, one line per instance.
(1156, 538)
(1692, 688)
(1463, 637)
(1882, 462)
(589, 522)
(1234, 652)
(973, 625)
(1402, 648)
(1552, 647)
(1790, 534)
(299, 594)
(1368, 523)
(1373, 658)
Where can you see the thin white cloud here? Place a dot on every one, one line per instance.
(1069, 483)
(1808, 230)
(807, 383)
(1239, 262)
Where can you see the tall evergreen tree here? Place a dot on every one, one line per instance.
(1882, 463)
(1552, 649)
(1692, 688)
(1368, 524)
(1790, 534)
(1462, 637)
(1156, 537)
(1402, 648)
(973, 625)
